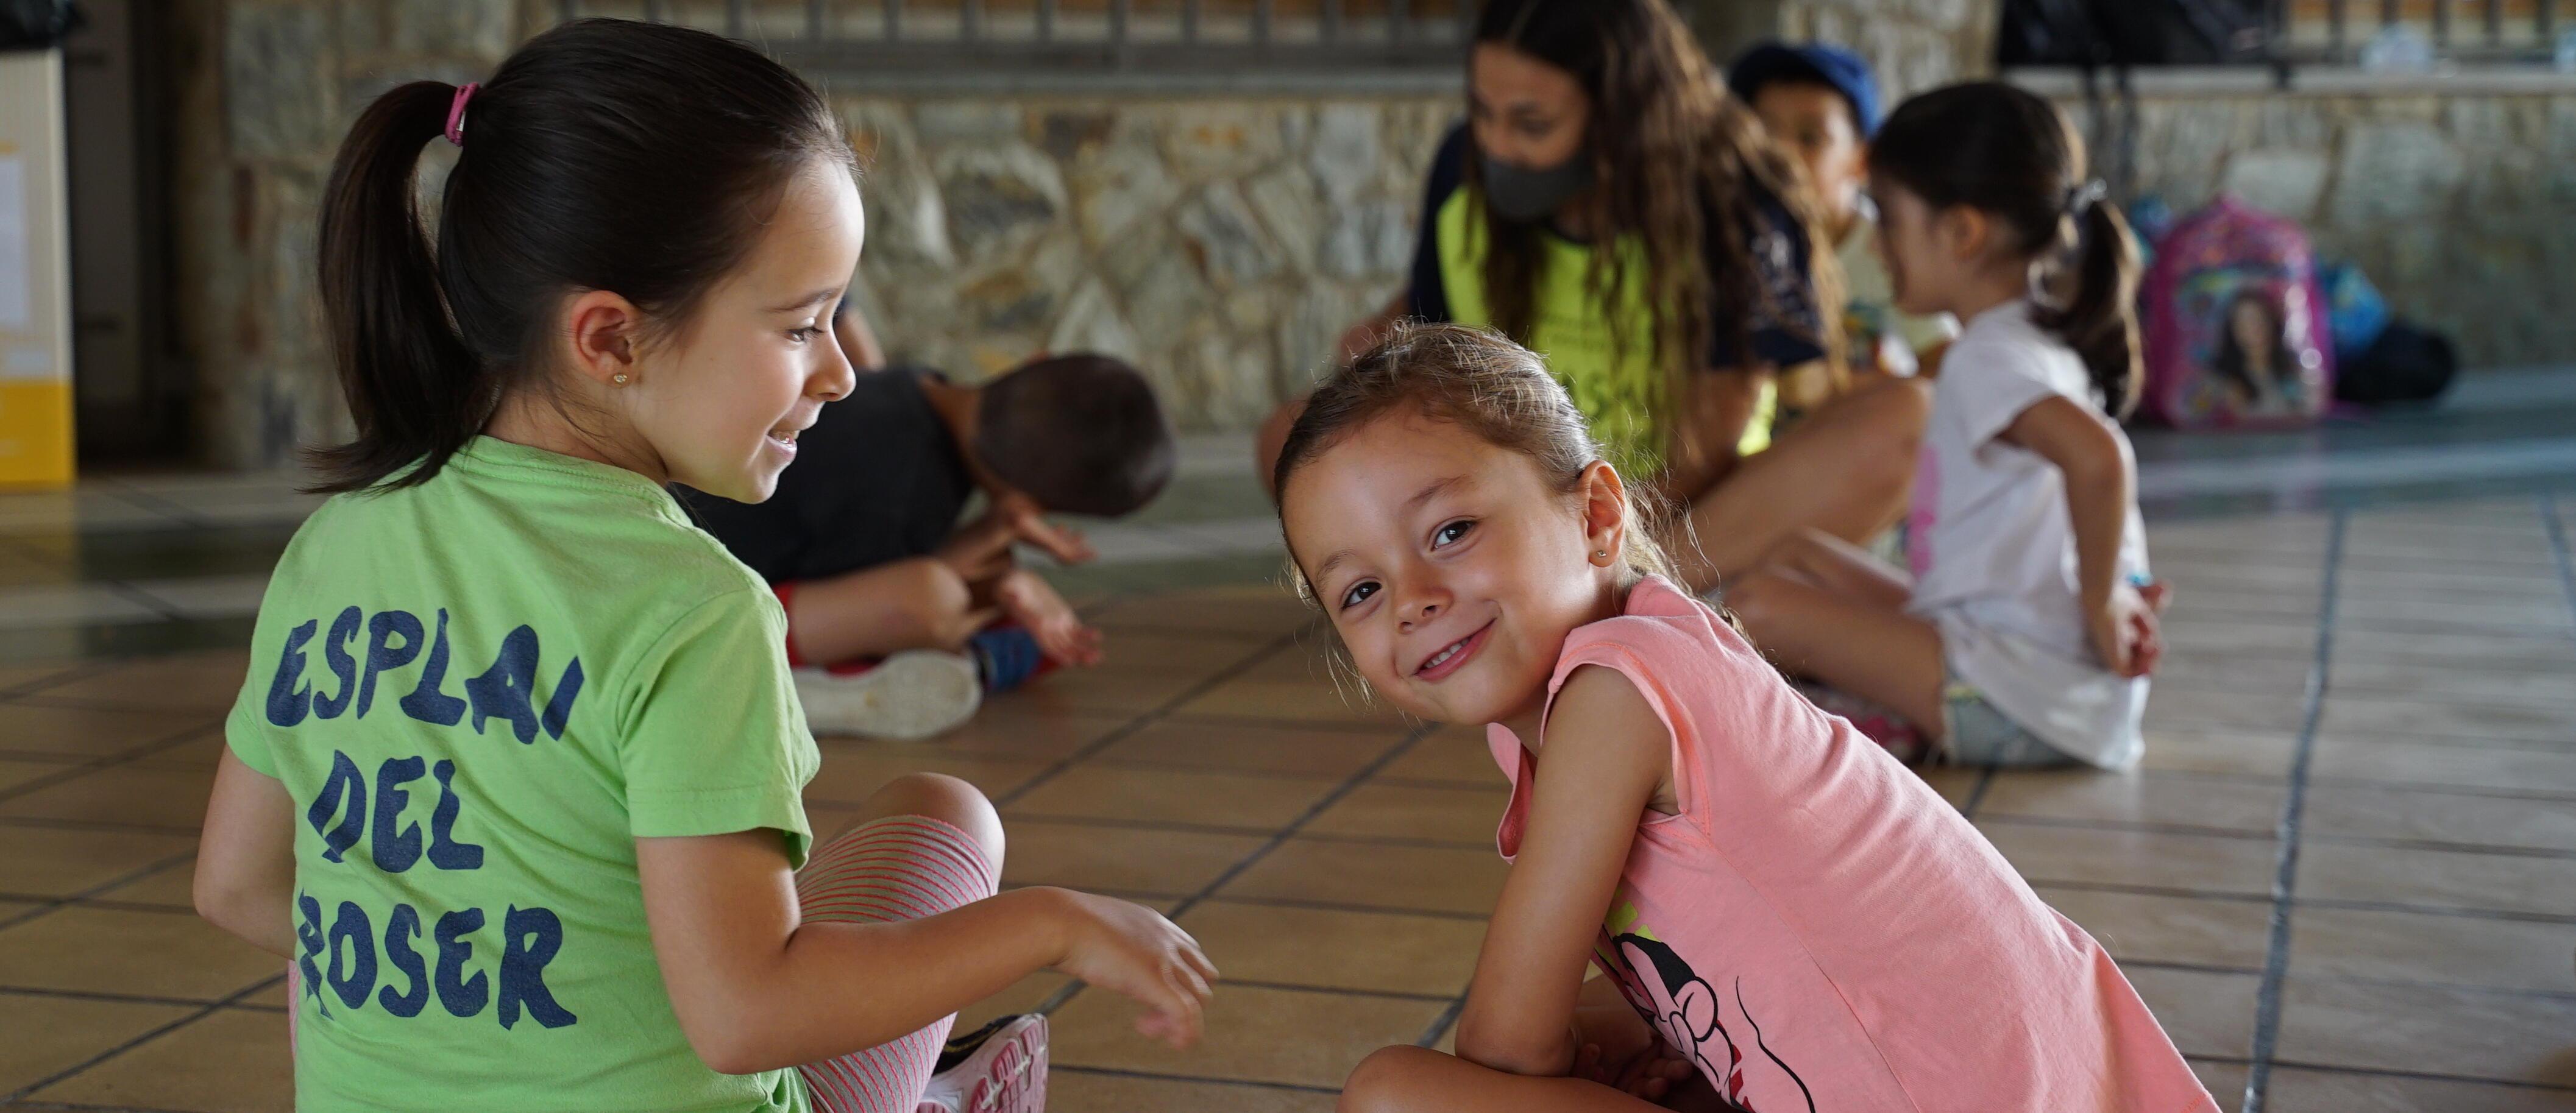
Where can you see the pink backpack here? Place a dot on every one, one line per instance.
(2235, 323)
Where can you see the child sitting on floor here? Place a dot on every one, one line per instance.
(2027, 630)
(1820, 103)
(547, 851)
(1802, 923)
(899, 618)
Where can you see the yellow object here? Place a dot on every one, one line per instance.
(35, 276)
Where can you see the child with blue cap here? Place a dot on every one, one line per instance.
(1820, 103)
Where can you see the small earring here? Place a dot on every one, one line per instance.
(1602, 555)
(618, 378)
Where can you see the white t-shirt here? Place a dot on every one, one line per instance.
(1869, 297)
(1993, 552)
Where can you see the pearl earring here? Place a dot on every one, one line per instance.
(1602, 555)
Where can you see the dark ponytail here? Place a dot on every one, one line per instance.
(2008, 153)
(414, 390)
(604, 155)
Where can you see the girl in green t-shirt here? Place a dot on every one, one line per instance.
(1610, 206)
(515, 783)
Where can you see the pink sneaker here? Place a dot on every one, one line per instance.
(998, 1068)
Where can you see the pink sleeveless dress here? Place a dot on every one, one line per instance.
(1819, 930)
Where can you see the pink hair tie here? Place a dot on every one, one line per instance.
(456, 112)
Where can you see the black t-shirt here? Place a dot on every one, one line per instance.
(1784, 320)
(878, 479)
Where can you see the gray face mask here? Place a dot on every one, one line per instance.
(1523, 195)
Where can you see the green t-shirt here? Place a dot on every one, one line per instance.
(480, 692)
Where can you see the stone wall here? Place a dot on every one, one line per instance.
(2460, 205)
(1221, 245)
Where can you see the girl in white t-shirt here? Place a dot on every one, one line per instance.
(2027, 630)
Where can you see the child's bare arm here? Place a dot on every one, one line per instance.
(1605, 757)
(246, 858)
(2100, 484)
(756, 990)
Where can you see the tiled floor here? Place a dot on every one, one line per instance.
(2345, 876)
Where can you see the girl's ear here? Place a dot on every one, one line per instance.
(1963, 232)
(1605, 513)
(601, 333)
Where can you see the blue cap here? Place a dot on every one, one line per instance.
(1832, 66)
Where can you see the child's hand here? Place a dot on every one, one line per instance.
(1647, 1074)
(1060, 633)
(2126, 632)
(1133, 951)
(1028, 524)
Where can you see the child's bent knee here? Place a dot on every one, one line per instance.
(1387, 1081)
(946, 799)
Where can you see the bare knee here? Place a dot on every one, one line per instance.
(1754, 599)
(937, 603)
(1896, 412)
(1390, 1080)
(946, 799)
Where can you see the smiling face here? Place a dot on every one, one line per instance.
(720, 403)
(1451, 568)
(1524, 111)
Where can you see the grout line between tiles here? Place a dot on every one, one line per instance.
(2518, 1084)
(1337, 991)
(138, 1041)
(1274, 842)
(1254, 1083)
(121, 757)
(54, 904)
(1977, 795)
(118, 998)
(1151, 716)
(1441, 1024)
(2558, 549)
(2276, 956)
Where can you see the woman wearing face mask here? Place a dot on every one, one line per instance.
(1609, 205)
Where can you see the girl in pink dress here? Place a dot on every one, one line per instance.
(1786, 920)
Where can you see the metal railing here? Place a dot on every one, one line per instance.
(1078, 36)
(2491, 32)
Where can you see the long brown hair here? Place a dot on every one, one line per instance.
(1671, 148)
(604, 155)
(2008, 153)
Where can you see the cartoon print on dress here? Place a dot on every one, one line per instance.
(1690, 1014)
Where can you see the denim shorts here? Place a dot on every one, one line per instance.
(1975, 732)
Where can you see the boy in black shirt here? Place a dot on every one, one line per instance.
(899, 617)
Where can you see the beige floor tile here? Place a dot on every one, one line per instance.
(2241, 711)
(2363, 612)
(1375, 876)
(2471, 1033)
(1024, 996)
(182, 682)
(2285, 677)
(203, 751)
(2238, 753)
(1254, 611)
(14, 773)
(42, 1035)
(2416, 947)
(2384, 560)
(2252, 640)
(164, 887)
(19, 676)
(850, 773)
(1332, 751)
(2193, 931)
(1255, 803)
(156, 796)
(2297, 1090)
(2437, 878)
(1954, 784)
(2445, 817)
(152, 954)
(2252, 807)
(1007, 732)
(1461, 815)
(90, 732)
(2495, 652)
(53, 861)
(1078, 1092)
(1300, 699)
(1449, 753)
(2541, 688)
(230, 1062)
(2204, 863)
(1386, 952)
(2435, 765)
(2226, 1082)
(1297, 1037)
(2203, 1013)
(1120, 859)
(2446, 718)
